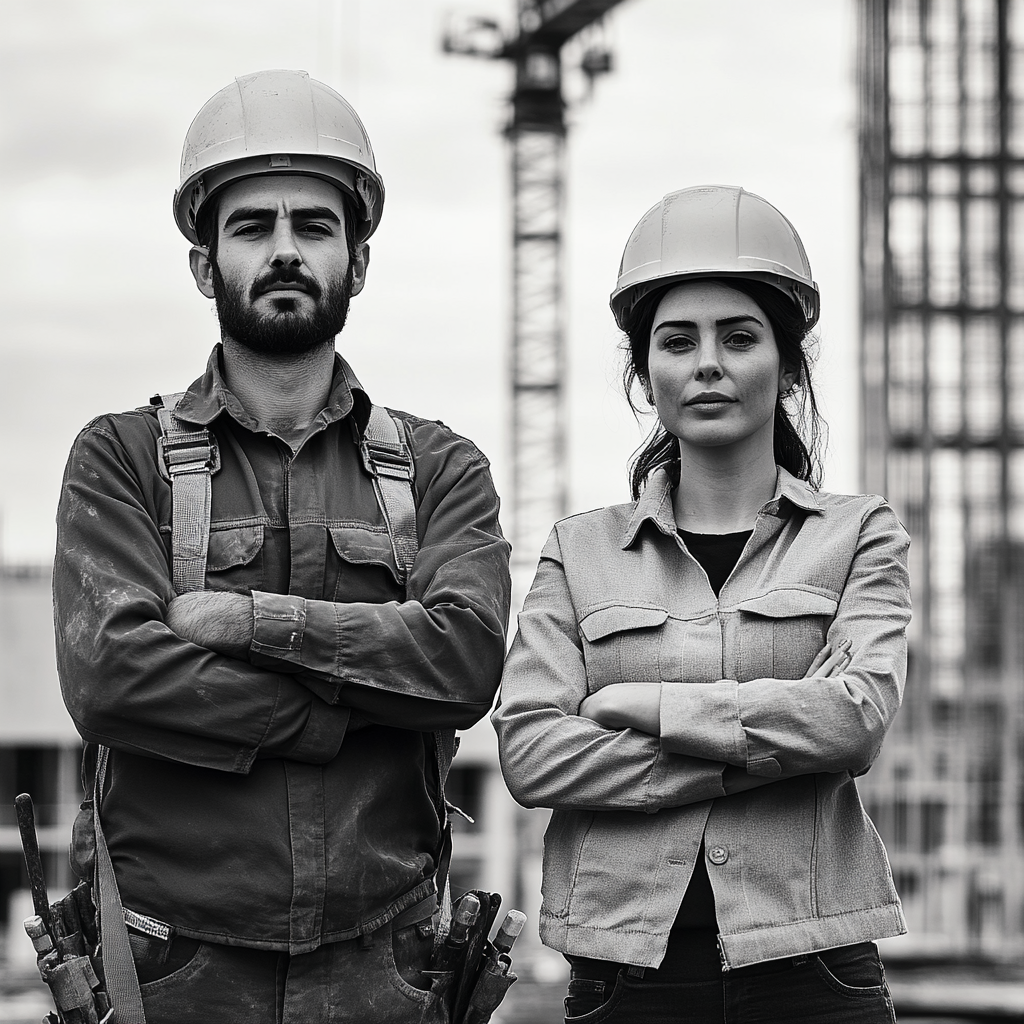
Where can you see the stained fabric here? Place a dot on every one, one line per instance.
(293, 798)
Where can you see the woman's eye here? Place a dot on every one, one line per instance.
(740, 339)
(677, 342)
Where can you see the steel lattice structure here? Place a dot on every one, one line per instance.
(942, 243)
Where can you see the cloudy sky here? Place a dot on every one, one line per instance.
(99, 309)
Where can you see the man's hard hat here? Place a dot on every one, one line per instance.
(277, 122)
(714, 231)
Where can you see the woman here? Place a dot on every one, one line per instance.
(699, 675)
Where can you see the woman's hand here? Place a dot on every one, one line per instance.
(626, 706)
(829, 662)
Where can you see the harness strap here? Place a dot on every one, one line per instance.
(386, 457)
(118, 966)
(189, 458)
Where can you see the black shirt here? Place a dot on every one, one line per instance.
(717, 554)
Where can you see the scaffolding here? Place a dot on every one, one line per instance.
(942, 294)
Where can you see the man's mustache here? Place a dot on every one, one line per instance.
(284, 275)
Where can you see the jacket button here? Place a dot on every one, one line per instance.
(718, 854)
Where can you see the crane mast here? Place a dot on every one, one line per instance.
(537, 363)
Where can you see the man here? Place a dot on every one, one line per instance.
(280, 730)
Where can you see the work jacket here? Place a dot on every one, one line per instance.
(794, 861)
(294, 798)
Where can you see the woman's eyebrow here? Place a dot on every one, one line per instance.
(727, 321)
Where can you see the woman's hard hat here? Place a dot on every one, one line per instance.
(277, 122)
(714, 231)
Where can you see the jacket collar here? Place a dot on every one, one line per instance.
(209, 396)
(655, 502)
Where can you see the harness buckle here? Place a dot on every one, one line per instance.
(394, 461)
(187, 453)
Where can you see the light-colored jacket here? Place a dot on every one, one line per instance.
(794, 861)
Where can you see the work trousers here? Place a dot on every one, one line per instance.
(837, 986)
(376, 979)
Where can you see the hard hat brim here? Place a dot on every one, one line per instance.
(807, 300)
(201, 187)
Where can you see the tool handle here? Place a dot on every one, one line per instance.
(33, 862)
(509, 931)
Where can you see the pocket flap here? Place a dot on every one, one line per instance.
(236, 545)
(360, 545)
(787, 604)
(620, 618)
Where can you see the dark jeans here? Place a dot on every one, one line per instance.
(369, 982)
(837, 986)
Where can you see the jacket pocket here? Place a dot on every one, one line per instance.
(783, 630)
(234, 559)
(361, 566)
(622, 643)
(563, 845)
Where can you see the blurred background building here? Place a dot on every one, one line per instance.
(942, 360)
(941, 348)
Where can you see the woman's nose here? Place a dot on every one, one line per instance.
(708, 366)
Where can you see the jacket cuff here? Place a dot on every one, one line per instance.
(703, 720)
(279, 623)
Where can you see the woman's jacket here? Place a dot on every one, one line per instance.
(794, 861)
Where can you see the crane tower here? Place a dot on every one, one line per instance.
(536, 132)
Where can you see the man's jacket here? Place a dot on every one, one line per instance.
(795, 864)
(294, 798)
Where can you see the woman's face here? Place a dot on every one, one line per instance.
(714, 366)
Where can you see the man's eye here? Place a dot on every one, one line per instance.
(250, 229)
(315, 229)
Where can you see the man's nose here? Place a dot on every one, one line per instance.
(286, 251)
(709, 365)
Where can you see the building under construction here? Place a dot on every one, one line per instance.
(942, 253)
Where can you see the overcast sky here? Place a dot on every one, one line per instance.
(99, 309)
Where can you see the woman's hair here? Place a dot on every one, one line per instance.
(799, 428)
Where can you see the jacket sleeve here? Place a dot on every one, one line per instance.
(434, 660)
(778, 728)
(550, 756)
(128, 681)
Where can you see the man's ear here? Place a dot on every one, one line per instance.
(202, 269)
(359, 265)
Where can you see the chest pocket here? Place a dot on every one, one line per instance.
(361, 566)
(235, 559)
(780, 632)
(621, 644)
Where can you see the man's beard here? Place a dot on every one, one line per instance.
(285, 331)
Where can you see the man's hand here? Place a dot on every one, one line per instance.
(218, 621)
(626, 706)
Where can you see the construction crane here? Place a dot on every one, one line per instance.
(537, 132)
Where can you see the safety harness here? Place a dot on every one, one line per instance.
(188, 459)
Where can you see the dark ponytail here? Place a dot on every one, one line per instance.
(799, 429)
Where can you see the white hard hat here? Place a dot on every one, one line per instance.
(277, 122)
(714, 231)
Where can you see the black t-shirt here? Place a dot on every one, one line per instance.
(717, 554)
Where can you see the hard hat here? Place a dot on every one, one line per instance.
(277, 122)
(714, 231)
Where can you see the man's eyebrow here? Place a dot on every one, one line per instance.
(727, 321)
(269, 213)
